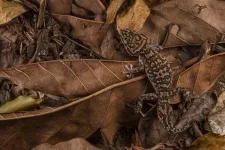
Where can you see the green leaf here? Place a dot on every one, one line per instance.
(19, 104)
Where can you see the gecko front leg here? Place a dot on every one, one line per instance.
(131, 69)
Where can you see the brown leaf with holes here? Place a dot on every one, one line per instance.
(202, 76)
(191, 21)
(104, 110)
(69, 78)
(135, 17)
(74, 144)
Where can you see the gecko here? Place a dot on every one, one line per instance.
(159, 73)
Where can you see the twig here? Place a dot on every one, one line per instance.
(41, 14)
(196, 129)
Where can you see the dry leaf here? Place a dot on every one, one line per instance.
(112, 10)
(74, 144)
(78, 11)
(151, 130)
(10, 10)
(135, 17)
(62, 7)
(94, 6)
(95, 34)
(7, 36)
(69, 78)
(105, 110)
(19, 104)
(209, 141)
(191, 25)
(202, 76)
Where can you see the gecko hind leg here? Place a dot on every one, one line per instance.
(186, 94)
(137, 108)
(187, 97)
(139, 105)
(149, 97)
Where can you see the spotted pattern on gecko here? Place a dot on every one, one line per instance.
(159, 73)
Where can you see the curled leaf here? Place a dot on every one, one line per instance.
(135, 17)
(20, 103)
(112, 10)
(10, 10)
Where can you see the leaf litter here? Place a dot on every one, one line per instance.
(69, 54)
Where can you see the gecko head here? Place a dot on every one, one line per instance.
(132, 41)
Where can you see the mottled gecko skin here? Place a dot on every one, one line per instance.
(159, 74)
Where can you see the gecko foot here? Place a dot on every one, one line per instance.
(130, 70)
(137, 108)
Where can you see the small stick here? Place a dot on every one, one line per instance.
(41, 14)
(196, 129)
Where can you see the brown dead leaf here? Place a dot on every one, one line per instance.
(202, 76)
(112, 10)
(78, 11)
(70, 78)
(151, 130)
(95, 34)
(209, 141)
(7, 36)
(63, 7)
(191, 25)
(74, 144)
(104, 110)
(10, 10)
(135, 17)
(94, 6)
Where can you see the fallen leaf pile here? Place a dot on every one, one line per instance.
(63, 83)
